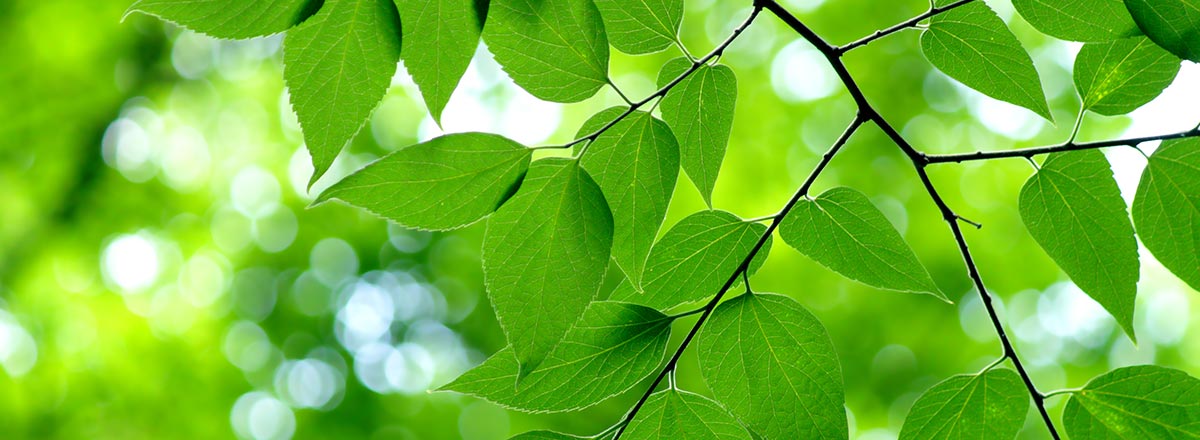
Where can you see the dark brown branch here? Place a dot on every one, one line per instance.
(1070, 146)
(919, 161)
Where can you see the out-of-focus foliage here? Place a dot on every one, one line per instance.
(160, 276)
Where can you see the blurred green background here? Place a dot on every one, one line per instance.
(161, 277)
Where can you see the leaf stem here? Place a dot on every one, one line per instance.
(634, 106)
(744, 266)
(1063, 391)
(919, 161)
(619, 92)
(911, 23)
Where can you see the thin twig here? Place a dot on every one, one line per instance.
(634, 106)
(911, 23)
(1030, 152)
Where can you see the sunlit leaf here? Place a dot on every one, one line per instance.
(694, 259)
(1136, 403)
(545, 253)
(338, 66)
(842, 230)
(1074, 210)
(773, 365)
(440, 37)
(445, 183)
(230, 18)
(612, 348)
(1117, 77)
(636, 163)
(1079, 20)
(700, 111)
(1166, 208)
(991, 405)
(1173, 24)
(556, 50)
(676, 414)
(972, 45)
(641, 26)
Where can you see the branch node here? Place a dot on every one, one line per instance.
(968, 221)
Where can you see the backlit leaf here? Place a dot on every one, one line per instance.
(445, 183)
(1173, 24)
(1144, 402)
(556, 50)
(973, 45)
(234, 19)
(440, 37)
(612, 348)
(1117, 77)
(1079, 20)
(694, 259)
(677, 414)
(773, 365)
(842, 230)
(991, 405)
(641, 26)
(700, 111)
(1166, 208)
(338, 66)
(545, 253)
(636, 163)
(1074, 210)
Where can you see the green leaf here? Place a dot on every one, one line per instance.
(700, 111)
(545, 435)
(1074, 210)
(1173, 24)
(991, 405)
(545, 253)
(1136, 403)
(641, 26)
(556, 50)
(636, 163)
(234, 19)
(694, 259)
(440, 37)
(1166, 208)
(612, 348)
(1117, 77)
(677, 414)
(338, 66)
(1079, 20)
(843, 231)
(972, 45)
(445, 183)
(773, 365)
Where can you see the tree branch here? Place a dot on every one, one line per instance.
(910, 23)
(1070, 146)
(919, 161)
(743, 267)
(634, 106)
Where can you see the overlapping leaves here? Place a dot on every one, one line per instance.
(612, 347)
(545, 253)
